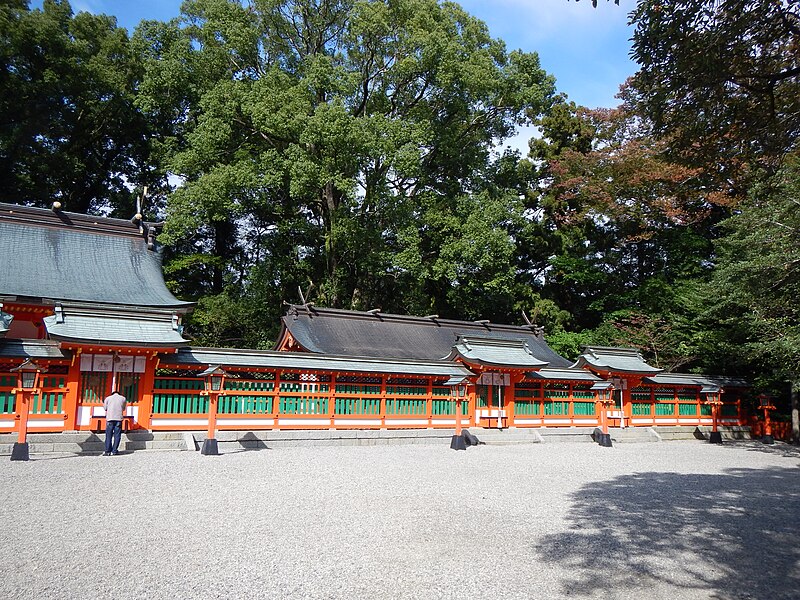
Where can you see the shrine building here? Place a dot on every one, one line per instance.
(84, 300)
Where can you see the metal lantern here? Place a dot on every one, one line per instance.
(713, 394)
(605, 390)
(458, 391)
(765, 401)
(214, 377)
(28, 374)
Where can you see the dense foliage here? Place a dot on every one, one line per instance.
(344, 152)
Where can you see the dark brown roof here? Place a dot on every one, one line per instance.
(375, 334)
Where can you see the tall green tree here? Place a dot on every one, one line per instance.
(756, 286)
(69, 128)
(721, 79)
(339, 146)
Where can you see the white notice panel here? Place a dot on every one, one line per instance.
(86, 362)
(103, 362)
(124, 364)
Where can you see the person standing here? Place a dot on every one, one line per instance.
(115, 409)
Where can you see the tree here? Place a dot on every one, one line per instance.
(342, 143)
(753, 295)
(627, 223)
(69, 129)
(721, 79)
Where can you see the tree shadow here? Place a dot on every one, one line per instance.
(725, 536)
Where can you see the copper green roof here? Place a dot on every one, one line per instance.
(115, 328)
(513, 354)
(269, 359)
(616, 360)
(384, 335)
(51, 256)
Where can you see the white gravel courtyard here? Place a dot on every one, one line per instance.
(676, 520)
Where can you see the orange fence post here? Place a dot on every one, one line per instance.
(765, 403)
(214, 386)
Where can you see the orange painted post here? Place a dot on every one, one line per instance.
(23, 411)
(765, 402)
(383, 401)
(28, 374)
(429, 402)
(147, 384)
(458, 392)
(714, 395)
(214, 384)
(332, 402)
(605, 393)
(73, 386)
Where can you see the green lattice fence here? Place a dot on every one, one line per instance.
(180, 404)
(244, 405)
(357, 406)
(302, 405)
(406, 407)
(7, 402)
(555, 408)
(729, 410)
(665, 410)
(448, 407)
(527, 407)
(178, 383)
(583, 409)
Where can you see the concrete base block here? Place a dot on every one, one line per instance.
(767, 439)
(715, 437)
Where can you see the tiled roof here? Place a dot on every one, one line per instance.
(59, 256)
(230, 357)
(689, 379)
(5, 322)
(514, 354)
(115, 328)
(563, 374)
(620, 360)
(376, 334)
(32, 349)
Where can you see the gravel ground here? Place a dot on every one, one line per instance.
(677, 520)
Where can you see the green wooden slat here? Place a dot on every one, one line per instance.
(641, 408)
(685, 410)
(665, 409)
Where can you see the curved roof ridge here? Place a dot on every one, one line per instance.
(70, 257)
(386, 335)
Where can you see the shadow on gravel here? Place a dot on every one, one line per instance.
(730, 536)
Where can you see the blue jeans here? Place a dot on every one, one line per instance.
(113, 435)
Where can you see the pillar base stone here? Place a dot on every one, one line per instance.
(210, 447)
(457, 442)
(20, 451)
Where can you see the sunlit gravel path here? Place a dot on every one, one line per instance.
(676, 520)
